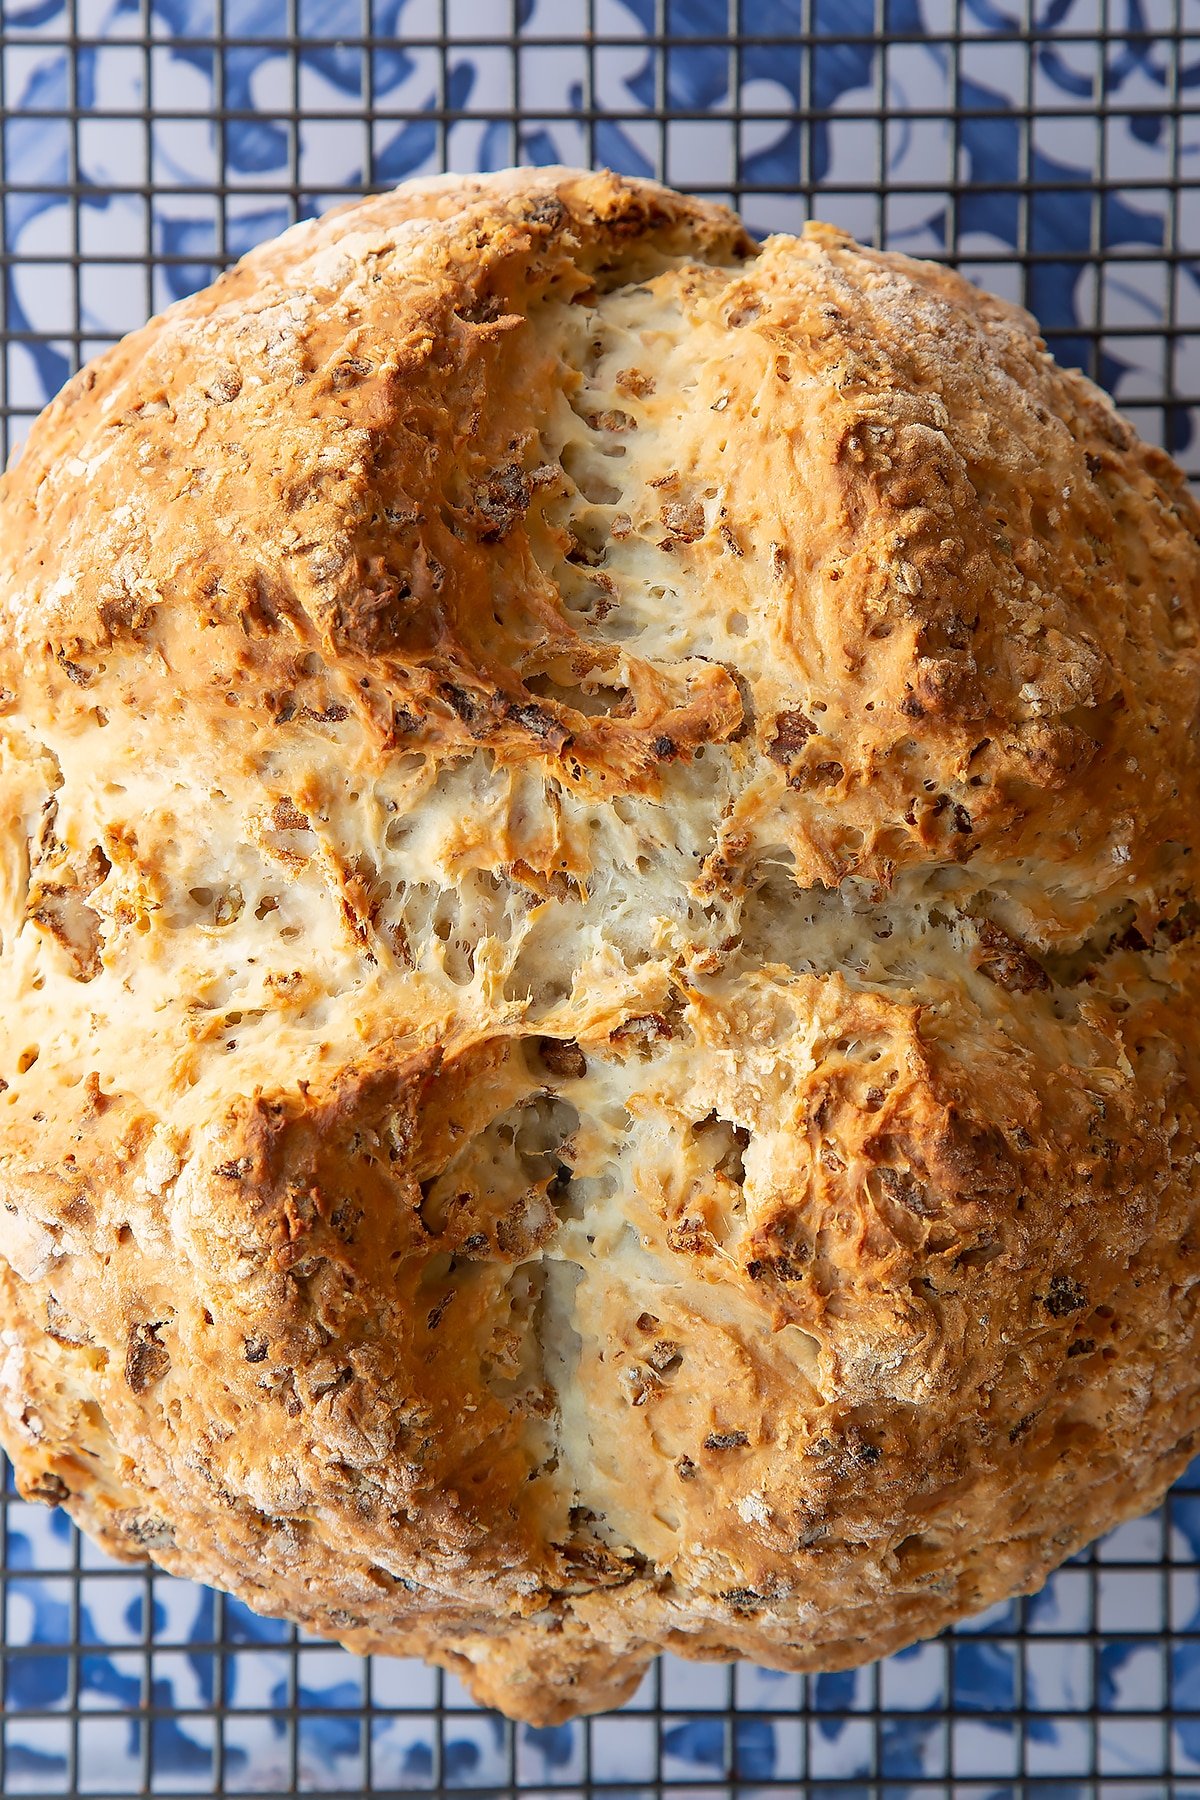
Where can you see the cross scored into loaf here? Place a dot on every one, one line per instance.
(598, 977)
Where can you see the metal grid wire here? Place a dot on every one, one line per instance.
(1093, 1689)
(968, 1698)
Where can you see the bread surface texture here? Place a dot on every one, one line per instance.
(598, 963)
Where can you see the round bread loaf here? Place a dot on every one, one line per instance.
(598, 971)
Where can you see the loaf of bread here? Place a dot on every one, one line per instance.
(598, 972)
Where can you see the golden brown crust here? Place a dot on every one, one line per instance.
(599, 1023)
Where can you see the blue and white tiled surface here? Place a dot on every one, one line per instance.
(1086, 101)
(1098, 1675)
(185, 190)
(1093, 1687)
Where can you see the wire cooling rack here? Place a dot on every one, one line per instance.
(1052, 150)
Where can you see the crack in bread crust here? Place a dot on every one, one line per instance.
(598, 962)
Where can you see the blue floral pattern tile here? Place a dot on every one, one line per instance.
(125, 193)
